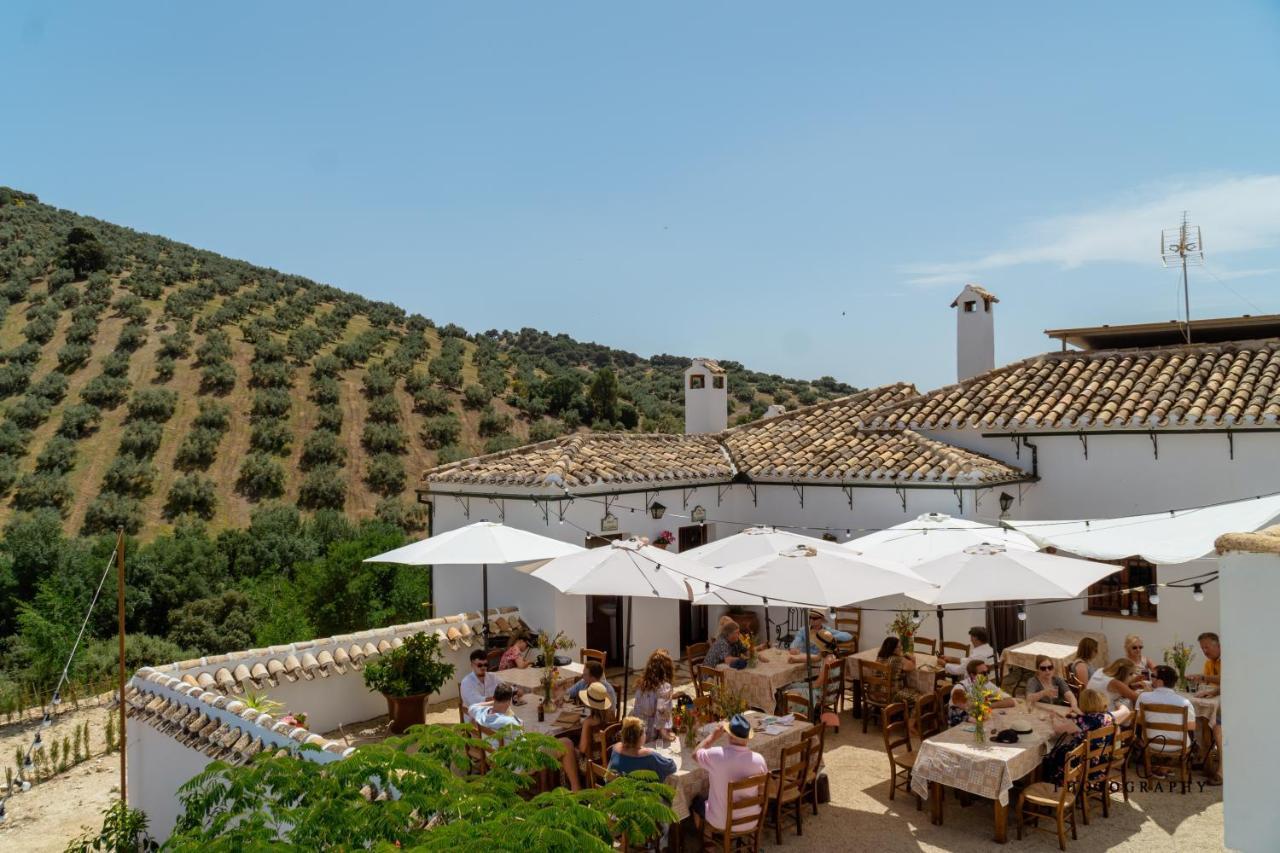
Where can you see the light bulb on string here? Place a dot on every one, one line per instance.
(1197, 592)
(57, 697)
(37, 743)
(1022, 613)
(1153, 594)
(46, 721)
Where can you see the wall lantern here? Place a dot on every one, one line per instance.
(1006, 501)
(698, 515)
(656, 509)
(609, 524)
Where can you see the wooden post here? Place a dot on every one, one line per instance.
(124, 796)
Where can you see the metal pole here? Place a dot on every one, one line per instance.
(484, 570)
(124, 792)
(626, 662)
(1186, 291)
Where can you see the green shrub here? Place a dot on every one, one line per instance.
(271, 435)
(492, 423)
(325, 390)
(82, 331)
(198, 449)
(110, 511)
(499, 443)
(79, 420)
(384, 438)
(105, 392)
(58, 455)
(270, 374)
(13, 439)
(115, 364)
(322, 448)
(73, 356)
(141, 439)
(475, 397)
(450, 453)
(164, 368)
(411, 518)
(431, 401)
(386, 474)
(213, 415)
(545, 429)
(29, 411)
(191, 494)
(416, 381)
(441, 430)
(216, 348)
(326, 366)
(329, 418)
(417, 667)
(14, 378)
(378, 382)
(152, 404)
(43, 490)
(8, 474)
(384, 410)
(218, 624)
(40, 329)
(131, 338)
(323, 488)
(270, 403)
(260, 477)
(128, 475)
(51, 386)
(217, 377)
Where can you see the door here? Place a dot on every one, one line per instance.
(693, 620)
(605, 613)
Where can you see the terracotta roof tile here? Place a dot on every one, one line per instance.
(1235, 384)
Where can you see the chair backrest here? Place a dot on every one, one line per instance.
(585, 655)
(816, 737)
(1099, 743)
(875, 681)
(606, 738)
(599, 775)
(695, 652)
(1122, 745)
(895, 730)
(793, 768)
(495, 657)
(924, 644)
(706, 677)
(462, 707)
(746, 806)
(928, 715)
(799, 704)
(954, 649)
(1163, 735)
(832, 684)
(702, 705)
(1073, 767)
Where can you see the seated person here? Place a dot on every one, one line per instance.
(630, 754)
(597, 699)
(1093, 715)
(479, 684)
(957, 705)
(1162, 693)
(1117, 682)
(514, 656)
(724, 764)
(977, 667)
(979, 649)
(1082, 668)
(1044, 686)
(728, 647)
(824, 639)
(592, 672)
(1212, 648)
(495, 715)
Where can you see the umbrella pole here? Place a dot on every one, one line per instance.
(484, 580)
(940, 635)
(626, 663)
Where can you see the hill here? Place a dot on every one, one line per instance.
(144, 379)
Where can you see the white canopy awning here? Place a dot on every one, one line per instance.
(1161, 538)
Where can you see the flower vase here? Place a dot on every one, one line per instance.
(690, 736)
(1183, 684)
(980, 732)
(908, 644)
(546, 693)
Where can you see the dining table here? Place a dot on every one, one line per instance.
(954, 758)
(760, 685)
(922, 678)
(529, 679)
(1059, 645)
(690, 779)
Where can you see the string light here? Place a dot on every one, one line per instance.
(1197, 592)
(1022, 613)
(1153, 594)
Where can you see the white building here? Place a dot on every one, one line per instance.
(1122, 420)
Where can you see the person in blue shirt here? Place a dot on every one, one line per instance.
(592, 672)
(630, 754)
(825, 639)
(495, 715)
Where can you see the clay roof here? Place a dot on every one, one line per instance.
(590, 459)
(978, 289)
(710, 364)
(1233, 384)
(823, 442)
(1263, 542)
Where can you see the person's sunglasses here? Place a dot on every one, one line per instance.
(1139, 648)
(1048, 668)
(481, 665)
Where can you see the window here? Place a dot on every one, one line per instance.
(697, 380)
(970, 306)
(1108, 598)
(717, 381)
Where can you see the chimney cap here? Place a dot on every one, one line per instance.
(711, 365)
(978, 290)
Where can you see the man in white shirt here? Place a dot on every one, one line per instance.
(979, 649)
(1162, 693)
(495, 714)
(479, 684)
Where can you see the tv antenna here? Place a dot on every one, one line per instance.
(1182, 246)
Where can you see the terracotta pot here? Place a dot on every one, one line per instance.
(406, 711)
(662, 545)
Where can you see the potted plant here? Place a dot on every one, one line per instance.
(406, 676)
(663, 539)
(1179, 657)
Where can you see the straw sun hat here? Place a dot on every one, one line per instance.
(596, 697)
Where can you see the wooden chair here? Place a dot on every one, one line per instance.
(702, 705)
(786, 787)
(1166, 743)
(462, 708)
(747, 800)
(1097, 767)
(849, 619)
(876, 690)
(695, 653)
(599, 775)
(959, 650)
(901, 761)
(928, 716)
(606, 738)
(707, 677)
(1118, 767)
(925, 645)
(799, 704)
(816, 737)
(831, 687)
(1044, 799)
(585, 655)
(494, 657)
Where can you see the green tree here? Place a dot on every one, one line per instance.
(191, 494)
(216, 625)
(603, 395)
(260, 477)
(83, 252)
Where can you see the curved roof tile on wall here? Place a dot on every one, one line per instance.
(1221, 385)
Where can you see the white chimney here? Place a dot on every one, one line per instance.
(975, 331)
(706, 397)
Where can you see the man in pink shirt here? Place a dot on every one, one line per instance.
(725, 764)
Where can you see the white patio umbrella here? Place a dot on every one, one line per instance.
(934, 535)
(807, 576)
(626, 567)
(479, 544)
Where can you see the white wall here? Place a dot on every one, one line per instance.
(1250, 587)
(158, 766)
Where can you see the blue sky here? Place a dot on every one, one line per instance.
(801, 187)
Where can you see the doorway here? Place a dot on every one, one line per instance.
(605, 612)
(693, 620)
